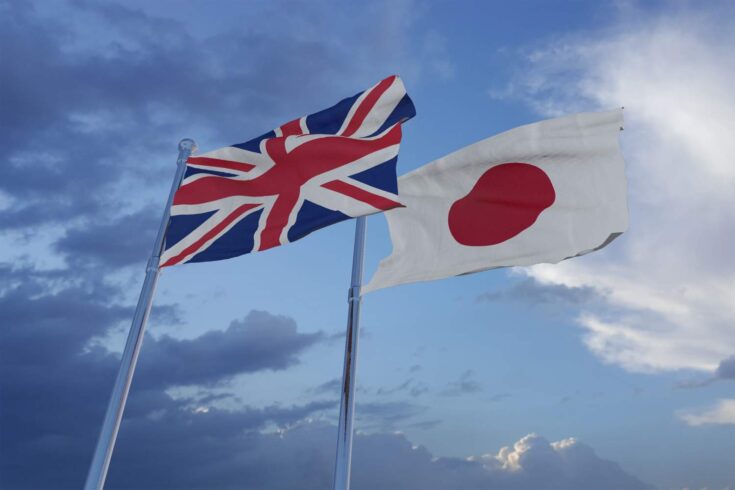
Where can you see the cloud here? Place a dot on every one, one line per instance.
(386, 415)
(55, 381)
(303, 456)
(89, 129)
(668, 281)
(42, 319)
(721, 413)
(111, 242)
(531, 291)
(411, 386)
(259, 341)
(333, 386)
(726, 368)
(499, 397)
(533, 462)
(464, 385)
(55, 377)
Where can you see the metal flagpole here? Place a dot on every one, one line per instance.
(113, 416)
(343, 461)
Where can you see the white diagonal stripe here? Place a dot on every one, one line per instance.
(384, 107)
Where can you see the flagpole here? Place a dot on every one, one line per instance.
(116, 406)
(343, 461)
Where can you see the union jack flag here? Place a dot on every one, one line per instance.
(312, 172)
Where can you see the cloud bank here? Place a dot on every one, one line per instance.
(54, 378)
(302, 456)
(669, 283)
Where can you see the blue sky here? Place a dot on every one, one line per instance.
(630, 351)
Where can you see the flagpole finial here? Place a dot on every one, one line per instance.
(187, 144)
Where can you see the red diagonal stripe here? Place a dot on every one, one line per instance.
(218, 163)
(277, 219)
(209, 188)
(292, 128)
(210, 234)
(292, 169)
(354, 192)
(367, 105)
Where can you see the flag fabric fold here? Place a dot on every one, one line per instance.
(543, 192)
(309, 173)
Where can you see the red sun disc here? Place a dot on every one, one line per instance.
(507, 199)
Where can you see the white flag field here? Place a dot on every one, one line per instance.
(543, 192)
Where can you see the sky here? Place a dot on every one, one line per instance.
(615, 370)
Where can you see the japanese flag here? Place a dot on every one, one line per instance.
(544, 192)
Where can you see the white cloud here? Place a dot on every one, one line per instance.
(302, 456)
(723, 412)
(533, 462)
(390, 461)
(670, 280)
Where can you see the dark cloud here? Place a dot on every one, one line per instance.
(257, 342)
(91, 117)
(333, 386)
(726, 368)
(384, 407)
(694, 383)
(302, 457)
(55, 379)
(411, 386)
(424, 424)
(166, 314)
(339, 337)
(395, 389)
(43, 321)
(112, 243)
(530, 291)
(418, 389)
(54, 383)
(387, 415)
(466, 384)
(178, 447)
(51, 423)
(499, 397)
